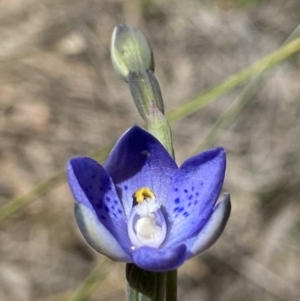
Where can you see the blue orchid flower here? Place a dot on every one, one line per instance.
(141, 208)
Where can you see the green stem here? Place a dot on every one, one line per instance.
(161, 288)
(144, 285)
(134, 295)
(171, 285)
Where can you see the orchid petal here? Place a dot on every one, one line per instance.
(139, 160)
(93, 187)
(97, 235)
(193, 193)
(212, 230)
(160, 260)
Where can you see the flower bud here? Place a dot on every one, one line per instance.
(158, 126)
(130, 51)
(145, 91)
(143, 282)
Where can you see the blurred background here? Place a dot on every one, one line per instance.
(60, 97)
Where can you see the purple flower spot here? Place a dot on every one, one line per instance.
(176, 189)
(108, 199)
(186, 214)
(120, 211)
(190, 204)
(176, 209)
(196, 202)
(180, 209)
(177, 201)
(197, 193)
(102, 217)
(190, 197)
(116, 202)
(114, 215)
(106, 209)
(185, 190)
(125, 187)
(113, 207)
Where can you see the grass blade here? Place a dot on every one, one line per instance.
(239, 103)
(235, 81)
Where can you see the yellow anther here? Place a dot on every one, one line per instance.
(142, 194)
